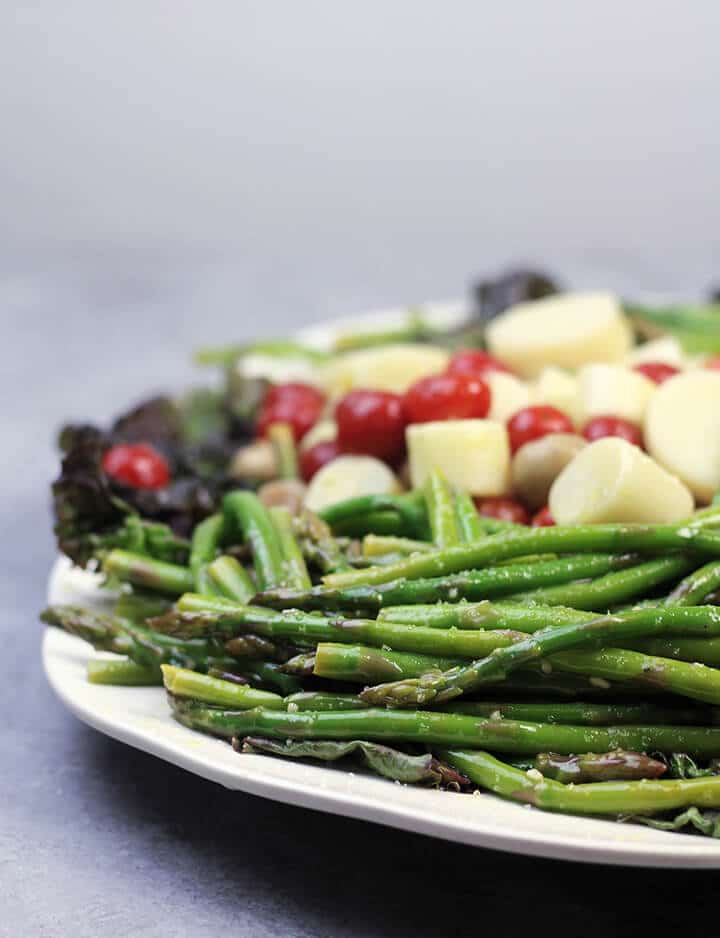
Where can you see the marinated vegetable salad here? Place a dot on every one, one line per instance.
(485, 558)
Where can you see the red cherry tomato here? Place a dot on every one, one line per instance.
(474, 362)
(531, 423)
(317, 456)
(300, 405)
(137, 464)
(713, 363)
(505, 509)
(373, 423)
(447, 397)
(657, 371)
(600, 427)
(543, 519)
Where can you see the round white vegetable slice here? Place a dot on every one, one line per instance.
(508, 395)
(682, 430)
(388, 368)
(559, 389)
(612, 480)
(348, 476)
(474, 455)
(613, 390)
(568, 330)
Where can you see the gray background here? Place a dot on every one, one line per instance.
(174, 173)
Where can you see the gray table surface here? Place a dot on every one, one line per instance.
(97, 839)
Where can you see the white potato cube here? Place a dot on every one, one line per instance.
(568, 330)
(508, 395)
(473, 455)
(666, 349)
(613, 390)
(682, 430)
(559, 389)
(613, 481)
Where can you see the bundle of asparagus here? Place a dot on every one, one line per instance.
(587, 658)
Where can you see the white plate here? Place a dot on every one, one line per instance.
(141, 718)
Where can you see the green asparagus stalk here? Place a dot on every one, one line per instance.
(283, 441)
(599, 767)
(377, 545)
(468, 519)
(695, 587)
(549, 641)
(445, 729)
(231, 578)
(474, 584)
(559, 539)
(611, 798)
(123, 672)
(184, 683)
(584, 713)
(321, 701)
(204, 546)
(246, 511)
(360, 664)
(318, 543)
(703, 650)
(150, 574)
(295, 571)
(409, 508)
(440, 504)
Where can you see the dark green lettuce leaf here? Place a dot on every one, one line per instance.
(390, 763)
(697, 821)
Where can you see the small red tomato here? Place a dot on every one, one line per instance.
(300, 405)
(600, 427)
(373, 423)
(657, 371)
(531, 423)
(474, 362)
(317, 456)
(543, 518)
(505, 509)
(137, 464)
(713, 362)
(447, 397)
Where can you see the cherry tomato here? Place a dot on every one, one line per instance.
(657, 371)
(474, 362)
(317, 456)
(505, 509)
(137, 464)
(447, 397)
(300, 405)
(373, 423)
(713, 362)
(600, 427)
(531, 423)
(543, 518)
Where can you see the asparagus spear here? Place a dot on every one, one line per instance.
(295, 572)
(704, 650)
(612, 588)
(376, 545)
(473, 584)
(468, 519)
(283, 441)
(613, 798)
(599, 767)
(559, 539)
(583, 713)
(409, 508)
(204, 546)
(121, 671)
(318, 544)
(321, 701)
(441, 511)
(444, 729)
(184, 683)
(596, 632)
(245, 510)
(143, 571)
(699, 584)
(231, 578)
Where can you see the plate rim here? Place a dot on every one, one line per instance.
(682, 851)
